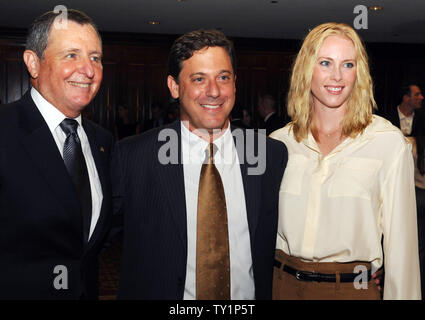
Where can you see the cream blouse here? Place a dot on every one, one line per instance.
(337, 208)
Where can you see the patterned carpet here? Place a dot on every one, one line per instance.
(109, 270)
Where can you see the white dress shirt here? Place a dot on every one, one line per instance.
(227, 163)
(53, 118)
(336, 208)
(405, 122)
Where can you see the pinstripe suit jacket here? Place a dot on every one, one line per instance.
(151, 196)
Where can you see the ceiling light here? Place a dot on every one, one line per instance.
(376, 8)
(153, 22)
(274, 1)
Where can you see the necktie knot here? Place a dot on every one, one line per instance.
(209, 153)
(69, 126)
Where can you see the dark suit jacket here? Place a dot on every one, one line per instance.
(152, 123)
(273, 123)
(418, 131)
(40, 218)
(418, 124)
(152, 196)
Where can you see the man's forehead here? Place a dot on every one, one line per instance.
(199, 64)
(414, 89)
(73, 32)
(204, 50)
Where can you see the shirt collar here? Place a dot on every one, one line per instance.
(311, 143)
(50, 113)
(377, 125)
(402, 116)
(196, 146)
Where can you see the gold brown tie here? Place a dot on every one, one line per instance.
(212, 243)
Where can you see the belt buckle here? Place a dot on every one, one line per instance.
(297, 275)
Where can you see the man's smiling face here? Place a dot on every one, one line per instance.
(70, 72)
(206, 89)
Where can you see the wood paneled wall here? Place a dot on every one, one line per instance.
(135, 69)
(14, 80)
(134, 76)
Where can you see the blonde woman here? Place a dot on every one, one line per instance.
(347, 198)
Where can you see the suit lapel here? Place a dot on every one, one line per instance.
(43, 151)
(395, 118)
(252, 187)
(97, 151)
(417, 123)
(171, 179)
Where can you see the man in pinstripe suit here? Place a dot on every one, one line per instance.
(156, 178)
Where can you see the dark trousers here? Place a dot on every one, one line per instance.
(420, 207)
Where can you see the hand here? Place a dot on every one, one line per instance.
(378, 278)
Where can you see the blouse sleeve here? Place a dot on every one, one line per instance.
(401, 257)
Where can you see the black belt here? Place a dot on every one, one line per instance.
(320, 277)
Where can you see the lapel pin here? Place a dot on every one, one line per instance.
(102, 149)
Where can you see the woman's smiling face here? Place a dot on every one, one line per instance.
(334, 73)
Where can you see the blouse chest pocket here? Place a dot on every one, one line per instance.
(293, 176)
(354, 177)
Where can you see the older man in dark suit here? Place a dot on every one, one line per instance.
(200, 215)
(54, 167)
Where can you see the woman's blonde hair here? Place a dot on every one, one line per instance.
(300, 99)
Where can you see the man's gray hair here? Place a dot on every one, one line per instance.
(39, 31)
